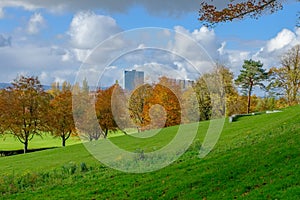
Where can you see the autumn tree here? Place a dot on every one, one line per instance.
(203, 97)
(3, 111)
(27, 104)
(216, 93)
(190, 106)
(223, 90)
(89, 125)
(85, 86)
(287, 77)
(266, 103)
(60, 116)
(84, 114)
(250, 76)
(211, 15)
(104, 107)
(55, 89)
(164, 104)
(138, 99)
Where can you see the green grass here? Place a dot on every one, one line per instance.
(8, 142)
(257, 157)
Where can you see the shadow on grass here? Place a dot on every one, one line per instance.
(21, 151)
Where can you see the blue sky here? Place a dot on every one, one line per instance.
(51, 39)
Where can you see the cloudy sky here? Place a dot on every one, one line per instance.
(61, 40)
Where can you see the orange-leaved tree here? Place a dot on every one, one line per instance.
(27, 107)
(210, 14)
(107, 101)
(60, 117)
(3, 111)
(139, 98)
(164, 105)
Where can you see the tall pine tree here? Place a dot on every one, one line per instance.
(251, 75)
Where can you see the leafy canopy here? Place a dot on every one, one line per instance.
(210, 15)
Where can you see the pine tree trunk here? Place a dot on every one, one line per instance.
(249, 99)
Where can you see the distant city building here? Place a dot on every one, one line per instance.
(183, 84)
(133, 79)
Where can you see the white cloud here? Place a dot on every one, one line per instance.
(88, 29)
(199, 47)
(283, 38)
(155, 70)
(36, 22)
(271, 53)
(34, 60)
(178, 53)
(204, 37)
(61, 61)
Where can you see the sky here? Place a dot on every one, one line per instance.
(71, 40)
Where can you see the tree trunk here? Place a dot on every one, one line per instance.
(25, 146)
(105, 134)
(63, 141)
(249, 99)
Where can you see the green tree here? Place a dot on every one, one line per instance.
(251, 75)
(28, 104)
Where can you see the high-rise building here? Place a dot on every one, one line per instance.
(133, 79)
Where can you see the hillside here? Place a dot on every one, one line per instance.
(257, 157)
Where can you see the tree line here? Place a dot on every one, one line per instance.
(26, 110)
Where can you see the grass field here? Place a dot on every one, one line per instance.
(257, 157)
(12, 143)
(8, 142)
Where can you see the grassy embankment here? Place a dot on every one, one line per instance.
(257, 157)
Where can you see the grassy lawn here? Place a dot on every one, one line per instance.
(256, 157)
(9, 142)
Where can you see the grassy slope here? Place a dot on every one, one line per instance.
(256, 157)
